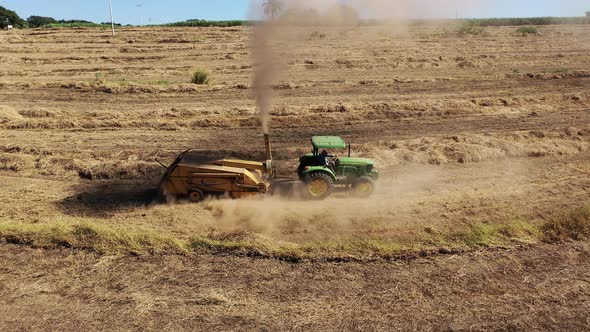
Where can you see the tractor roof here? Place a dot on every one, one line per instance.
(328, 142)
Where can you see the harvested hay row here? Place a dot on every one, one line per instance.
(8, 114)
(467, 148)
(290, 116)
(16, 163)
(475, 148)
(33, 162)
(120, 171)
(550, 76)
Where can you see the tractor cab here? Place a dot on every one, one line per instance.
(322, 172)
(315, 158)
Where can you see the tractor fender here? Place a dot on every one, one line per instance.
(374, 175)
(318, 169)
(351, 172)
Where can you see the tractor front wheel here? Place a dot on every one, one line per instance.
(363, 187)
(318, 185)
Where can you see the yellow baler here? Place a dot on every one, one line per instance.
(190, 176)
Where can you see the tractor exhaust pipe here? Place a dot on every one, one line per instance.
(269, 165)
(268, 148)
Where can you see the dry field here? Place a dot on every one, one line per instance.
(482, 140)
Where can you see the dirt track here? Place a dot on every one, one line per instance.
(543, 288)
(465, 130)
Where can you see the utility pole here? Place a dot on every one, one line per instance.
(140, 16)
(111, 11)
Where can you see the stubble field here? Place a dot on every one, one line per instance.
(481, 141)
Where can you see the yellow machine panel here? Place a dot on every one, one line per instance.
(236, 178)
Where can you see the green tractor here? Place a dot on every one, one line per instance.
(322, 172)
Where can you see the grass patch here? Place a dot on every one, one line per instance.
(158, 82)
(75, 25)
(101, 78)
(118, 78)
(470, 28)
(520, 21)
(488, 235)
(200, 76)
(248, 245)
(527, 30)
(101, 238)
(360, 249)
(574, 225)
(206, 23)
(125, 83)
(90, 236)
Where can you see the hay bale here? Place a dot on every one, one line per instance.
(8, 114)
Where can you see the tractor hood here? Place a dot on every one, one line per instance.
(355, 161)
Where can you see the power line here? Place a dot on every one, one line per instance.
(140, 15)
(111, 11)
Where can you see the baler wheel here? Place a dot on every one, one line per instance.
(196, 196)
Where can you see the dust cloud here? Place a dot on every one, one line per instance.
(277, 35)
(408, 200)
(298, 219)
(426, 189)
(264, 71)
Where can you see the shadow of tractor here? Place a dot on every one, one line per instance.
(105, 199)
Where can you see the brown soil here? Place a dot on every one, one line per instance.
(540, 288)
(482, 129)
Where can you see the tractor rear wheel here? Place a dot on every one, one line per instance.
(363, 187)
(318, 185)
(196, 196)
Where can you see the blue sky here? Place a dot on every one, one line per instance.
(163, 11)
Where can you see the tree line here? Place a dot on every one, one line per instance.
(9, 17)
(272, 9)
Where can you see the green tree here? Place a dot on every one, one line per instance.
(8, 17)
(272, 8)
(76, 22)
(39, 21)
